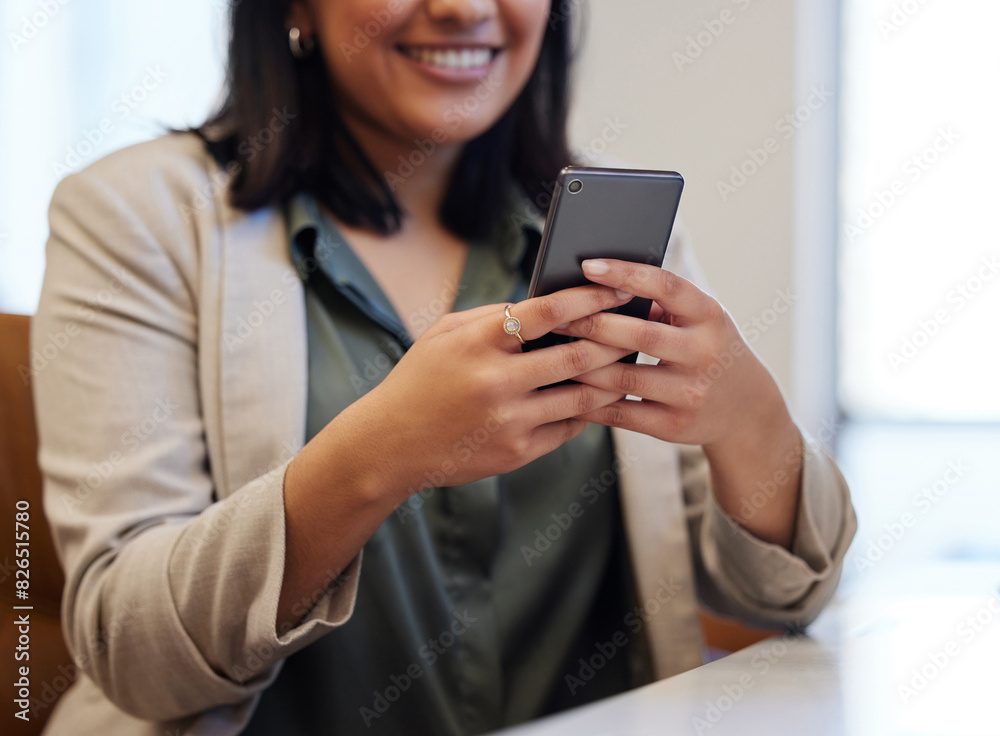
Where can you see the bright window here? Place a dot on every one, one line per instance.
(79, 80)
(920, 237)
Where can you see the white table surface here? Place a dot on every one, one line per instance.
(844, 677)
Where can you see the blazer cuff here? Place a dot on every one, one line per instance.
(767, 576)
(248, 573)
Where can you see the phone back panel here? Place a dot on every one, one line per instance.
(618, 213)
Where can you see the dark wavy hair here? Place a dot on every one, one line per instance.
(279, 129)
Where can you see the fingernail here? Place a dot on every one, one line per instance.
(595, 267)
(622, 294)
(563, 326)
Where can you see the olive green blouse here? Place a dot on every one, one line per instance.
(480, 605)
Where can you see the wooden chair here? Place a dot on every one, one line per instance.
(51, 669)
(725, 636)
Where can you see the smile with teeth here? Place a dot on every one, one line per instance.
(461, 59)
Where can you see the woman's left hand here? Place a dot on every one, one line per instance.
(709, 389)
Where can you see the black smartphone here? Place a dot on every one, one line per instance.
(623, 214)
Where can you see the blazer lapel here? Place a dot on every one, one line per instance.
(656, 527)
(262, 347)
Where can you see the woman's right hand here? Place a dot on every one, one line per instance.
(462, 402)
(461, 405)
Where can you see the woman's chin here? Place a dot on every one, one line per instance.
(447, 130)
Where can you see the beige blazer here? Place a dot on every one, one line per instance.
(170, 368)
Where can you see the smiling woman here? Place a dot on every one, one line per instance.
(387, 84)
(328, 529)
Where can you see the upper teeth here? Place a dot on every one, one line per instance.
(451, 58)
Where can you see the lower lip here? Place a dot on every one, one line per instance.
(445, 74)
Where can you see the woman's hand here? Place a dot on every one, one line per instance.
(708, 388)
(462, 405)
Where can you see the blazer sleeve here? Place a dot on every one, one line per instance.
(761, 583)
(743, 576)
(171, 593)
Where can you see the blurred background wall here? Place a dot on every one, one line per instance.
(740, 97)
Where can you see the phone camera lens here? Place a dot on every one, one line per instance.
(575, 186)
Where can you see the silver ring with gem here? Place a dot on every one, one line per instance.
(512, 325)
